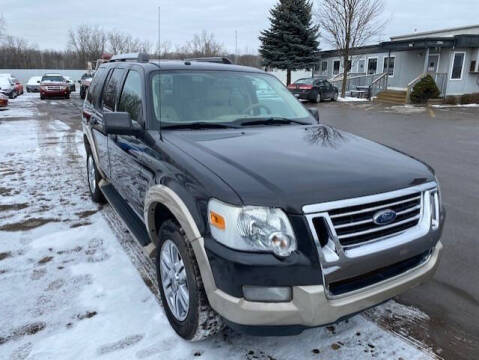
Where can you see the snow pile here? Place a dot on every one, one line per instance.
(351, 99)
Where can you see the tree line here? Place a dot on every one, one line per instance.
(88, 43)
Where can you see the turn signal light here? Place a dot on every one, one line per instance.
(217, 220)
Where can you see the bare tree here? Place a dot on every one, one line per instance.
(119, 42)
(346, 24)
(204, 44)
(88, 42)
(3, 27)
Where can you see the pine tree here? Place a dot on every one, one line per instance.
(291, 41)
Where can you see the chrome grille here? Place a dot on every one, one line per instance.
(54, 88)
(355, 224)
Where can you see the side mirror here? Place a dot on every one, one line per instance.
(119, 123)
(315, 114)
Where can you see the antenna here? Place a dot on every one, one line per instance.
(159, 32)
(236, 46)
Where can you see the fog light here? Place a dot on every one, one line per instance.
(267, 294)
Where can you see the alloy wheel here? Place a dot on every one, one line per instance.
(174, 280)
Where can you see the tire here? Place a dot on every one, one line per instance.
(28, 90)
(94, 178)
(335, 96)
(67, 96)
(82, 93)
(42, 97)
(13, 95)
(317, 99)
(199, 320)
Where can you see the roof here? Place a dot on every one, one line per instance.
(433, 32)
(185, 65)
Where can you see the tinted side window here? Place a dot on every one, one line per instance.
(95, 87)
(111, 89)
(130, 99)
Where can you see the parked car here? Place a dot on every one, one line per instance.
(16, 84)
(85, 82)
(262, 217)
(33, 84)
(314, 89)
(71, 83)
(54, 85)
(7, 87)
(3, 101)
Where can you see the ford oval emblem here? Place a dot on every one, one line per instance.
(384, 217)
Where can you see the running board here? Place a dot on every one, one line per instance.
(124, 211)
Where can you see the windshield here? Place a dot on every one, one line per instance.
(53, 78)
(34, 80)
(222, 97)
(304, 81)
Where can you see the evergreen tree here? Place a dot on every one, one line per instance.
(291, 41)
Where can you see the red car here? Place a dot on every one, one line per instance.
(54, 85)
(3, 101)
(18, 86)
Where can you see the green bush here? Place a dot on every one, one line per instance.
(470, 98)
(424, 90)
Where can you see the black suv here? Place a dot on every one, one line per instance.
(260, 217)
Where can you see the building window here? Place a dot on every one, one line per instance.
(336, 66)
(389, 70)
(372, 66)
(324, 66)
(457, 66)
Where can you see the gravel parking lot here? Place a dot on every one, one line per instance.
(75, 284)
(447, 138)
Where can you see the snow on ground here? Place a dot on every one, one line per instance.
(71, 289)
(456, 106)
(351, 99)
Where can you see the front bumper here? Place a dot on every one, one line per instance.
(55, 93)
(310, 305)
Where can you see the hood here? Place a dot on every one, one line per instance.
(293, 166)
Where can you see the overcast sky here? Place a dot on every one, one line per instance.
(46, 22)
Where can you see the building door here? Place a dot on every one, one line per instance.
(433, 63)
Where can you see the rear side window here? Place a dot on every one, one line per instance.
(96, 86)
(131, 98)
(111, 89)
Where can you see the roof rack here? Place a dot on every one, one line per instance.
(215, 59)
(140, 57)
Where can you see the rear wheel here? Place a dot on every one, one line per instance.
(182, 293)
(94, 178)
(335, 97)
(67, 96)
(317, 100)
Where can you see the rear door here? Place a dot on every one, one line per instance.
(127, 152)
(93, 117)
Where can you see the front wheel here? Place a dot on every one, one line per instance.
(317, 100)
(13, 95)
(93, 179)
(335, 97)
(182, 293)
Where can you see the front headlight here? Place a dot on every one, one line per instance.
(436, 205)
(251, 228)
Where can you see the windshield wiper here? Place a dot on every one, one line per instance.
(269, 121)
(199, 125)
